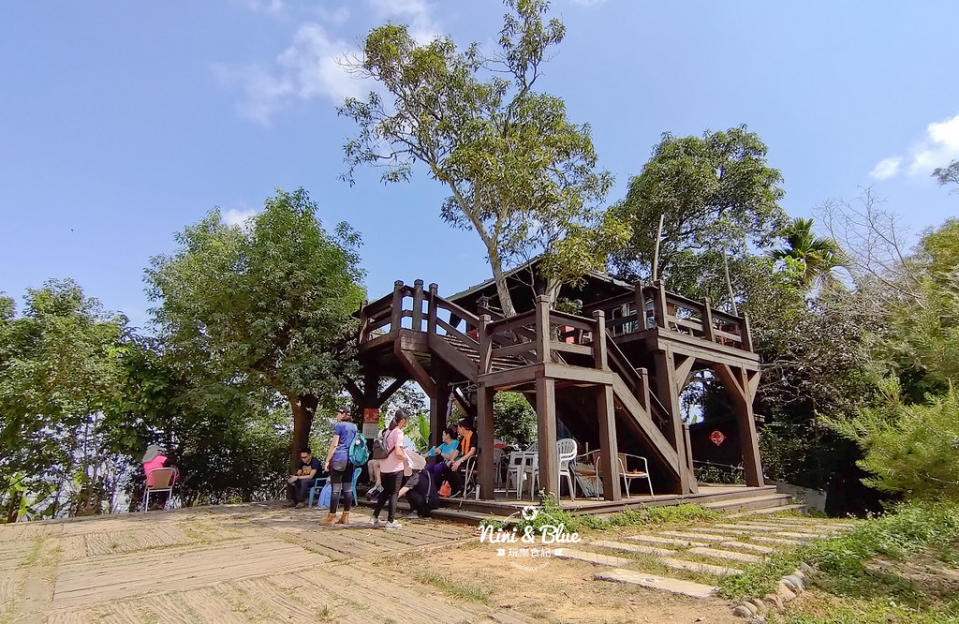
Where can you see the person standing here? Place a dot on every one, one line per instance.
(391, 471)
(339, 466)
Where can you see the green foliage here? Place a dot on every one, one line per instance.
(514, 421)
(909, 449)
(518, 171)
(810, 259)
(717, 195)
(266, 304)
(948, 174)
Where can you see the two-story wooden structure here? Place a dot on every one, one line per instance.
(611, 377)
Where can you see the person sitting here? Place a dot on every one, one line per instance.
(298, 485)
(373, 468)
(440, 456)
(467, 449)
(152, 460)
(422, 493)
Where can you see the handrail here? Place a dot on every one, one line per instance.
(459, 311)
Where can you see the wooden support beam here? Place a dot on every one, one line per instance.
(659, 303)
(431, 309)
(683, 369)
(546, 428)
(415, 369)
(396, 317)
(417, 305)
(484, 431)
(543, 336)
(666, 390)
(640, 303)
(355, 393)
(599, 340)
(689, 454)
(439, 401)
(608, 449)
(745, 423)
(708, 319)
(388, 392)
(485, 346)
(468, 408)
(747, 333)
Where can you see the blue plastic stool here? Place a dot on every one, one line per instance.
(317, 485)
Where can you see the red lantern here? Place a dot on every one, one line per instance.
(717, 437)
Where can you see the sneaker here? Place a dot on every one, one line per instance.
(300, 505)
(374, 491)
(412, 516)
(393, 525)
(375, 522)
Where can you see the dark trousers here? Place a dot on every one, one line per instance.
(341, 474)
(299, 490)
(391, 489)
(418, 502)
(455, 479)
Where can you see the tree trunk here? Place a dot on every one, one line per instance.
(502, 288)
(304, 408)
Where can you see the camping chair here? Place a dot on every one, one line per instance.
(163, 480)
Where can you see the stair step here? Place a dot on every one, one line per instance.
(779, 541)
(718, 553)
(635, 548)
(768, 510)
(756, 548)
(695, 566)
(692, 537)
(671, 541)
(746, 527)
(804, 536)
(590, 557)
(750, 502)
(661, 583)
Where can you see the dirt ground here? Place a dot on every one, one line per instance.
(243, 564)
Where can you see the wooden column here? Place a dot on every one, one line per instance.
(746, 333)
(738, 385)
(485, 346)
(599, 340)
(608, 448)
(396, 320)
(640, 303)
(689, 451)
(439, 401)
(707, 319)
(659, 303)
(546, 427)
(543, 335)
(484, 432)
(417, 323)
(431, 310)
(666, 391)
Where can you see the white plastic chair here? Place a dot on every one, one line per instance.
(565, 453)
(516, 470)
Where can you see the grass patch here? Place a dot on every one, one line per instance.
(453, 588)
(843, 561)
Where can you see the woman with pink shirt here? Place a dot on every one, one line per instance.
(391, 470)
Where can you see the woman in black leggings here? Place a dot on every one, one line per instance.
(391, 469)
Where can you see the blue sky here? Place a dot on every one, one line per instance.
(121, 122)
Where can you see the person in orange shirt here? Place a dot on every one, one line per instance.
(467, 448)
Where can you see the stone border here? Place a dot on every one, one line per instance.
(789, 587)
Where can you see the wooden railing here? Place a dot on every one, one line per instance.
(673, 312)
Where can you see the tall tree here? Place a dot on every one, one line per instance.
(519, 173)
(266, 303)
(948, 174)
(717, 196)
(811, 257)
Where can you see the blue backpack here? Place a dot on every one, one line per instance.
(359, 453)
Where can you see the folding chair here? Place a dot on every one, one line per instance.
(163, 480)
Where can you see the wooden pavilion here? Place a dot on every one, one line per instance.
(611, 377)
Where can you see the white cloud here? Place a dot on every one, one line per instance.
(937, 148)
(311, 66)
(235, 216)
(886, 168)
(415, 13)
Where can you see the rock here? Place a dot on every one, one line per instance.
(791, 584)
(752, 608)
(784, 592)
(773, 600)
(759, 604)
(798, 586)
(742, 612)
(806, 569)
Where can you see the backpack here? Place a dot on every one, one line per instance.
(379, 446)
(358, 451)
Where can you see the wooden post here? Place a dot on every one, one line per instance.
(431, 309)
(707, 319)
(599, 340)
(485, 346)
(640, 303)
(666, 390)
(644, 392)
(746, 334)
(608, 449)
(546, 426)
(543, 332)
(396, 320)
(482, 305)
(364, 321)
(659, 303)
(439, 401)
(689, 452)
(484, 431)
(737, 385)
(417, 323)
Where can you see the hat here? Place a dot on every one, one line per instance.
(152, 451)
(343, 409)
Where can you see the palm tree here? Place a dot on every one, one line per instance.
(817, 255)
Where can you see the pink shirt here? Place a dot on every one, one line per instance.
(156, 462)
(392, 463)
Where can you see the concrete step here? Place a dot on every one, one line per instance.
(718, 553)
(660, 583)
(635, 548)
(748, 503)
(669, 541)
(753, 548)
(590, 557)
(768, 510)
(695, 566)
(687, 535)
(778, 541)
